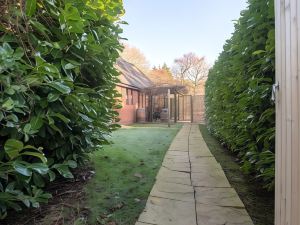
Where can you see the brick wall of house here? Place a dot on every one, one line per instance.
(127, 115)
(130, 103)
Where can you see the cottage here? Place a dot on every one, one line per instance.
(134, 101)
(144, 101)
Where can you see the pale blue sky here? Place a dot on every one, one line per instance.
(166, 29)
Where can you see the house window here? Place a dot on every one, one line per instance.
(134, 97)
(139, 100)
(124, 95)
(128, 97)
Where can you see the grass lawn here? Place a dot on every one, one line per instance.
(125, 172)
(117, 193)
(157, 125)
(259, 203)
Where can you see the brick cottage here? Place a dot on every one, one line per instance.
(134, 101)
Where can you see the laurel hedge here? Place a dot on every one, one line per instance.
(239, 109)
(57, 81)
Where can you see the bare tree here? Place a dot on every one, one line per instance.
(198, 72)
(191, 68)
(135, 56)
(182, 66)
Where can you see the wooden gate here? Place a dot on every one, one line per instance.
(287, 206)
(189, 108)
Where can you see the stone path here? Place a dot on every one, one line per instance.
(191, 187)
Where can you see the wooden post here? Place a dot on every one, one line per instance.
(151, 108)
(178, 110)
(287, 97)
(192, 110)
(175, 107)
(183, 107)
(169, 108)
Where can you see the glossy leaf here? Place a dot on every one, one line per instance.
(13, 147)
(239, 109)
(58, 91)
(30, 7)
(60, 87)
(22, 168)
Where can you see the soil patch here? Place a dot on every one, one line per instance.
(64, 208)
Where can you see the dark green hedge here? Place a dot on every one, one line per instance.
(57, 81)
(239, 109)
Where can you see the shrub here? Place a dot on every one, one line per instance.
(57, 81)
(238, 91)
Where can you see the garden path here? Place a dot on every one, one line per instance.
(191, 187)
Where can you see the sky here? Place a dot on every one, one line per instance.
(166, 29)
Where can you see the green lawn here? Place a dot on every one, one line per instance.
(125, 172)
(157, 125)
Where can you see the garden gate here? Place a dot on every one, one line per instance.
(189, 108)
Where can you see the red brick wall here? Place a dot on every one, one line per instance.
(129, 100)
(127, 114)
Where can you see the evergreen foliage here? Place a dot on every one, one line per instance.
(238, 92)
(57, 81)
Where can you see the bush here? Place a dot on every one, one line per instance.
(238, 92)
(57, 81)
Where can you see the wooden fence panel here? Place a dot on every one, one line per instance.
(191, 108)
(287, 206)
(198, 109)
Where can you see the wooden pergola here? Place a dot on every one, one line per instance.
(167, 90)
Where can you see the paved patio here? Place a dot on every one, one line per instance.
(191, 187)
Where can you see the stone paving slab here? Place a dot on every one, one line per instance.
(198, 168)
(179, 149)
(216, 215)
(178, 168)
(179, 145)
(168, 212)
(181, 167)
(203, 161)
(199, 142)
(163, 172)
(218, 197)
(173, 191)
(172, 162)
(210, 178)
(177, 153)
(183, 148)
(173, 176)
(190, 186)
(178, 158)
(194, 153)
(198, 145)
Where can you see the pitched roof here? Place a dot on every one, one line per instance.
(131, 76)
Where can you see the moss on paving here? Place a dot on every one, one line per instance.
(125, 173)
(258, 202)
